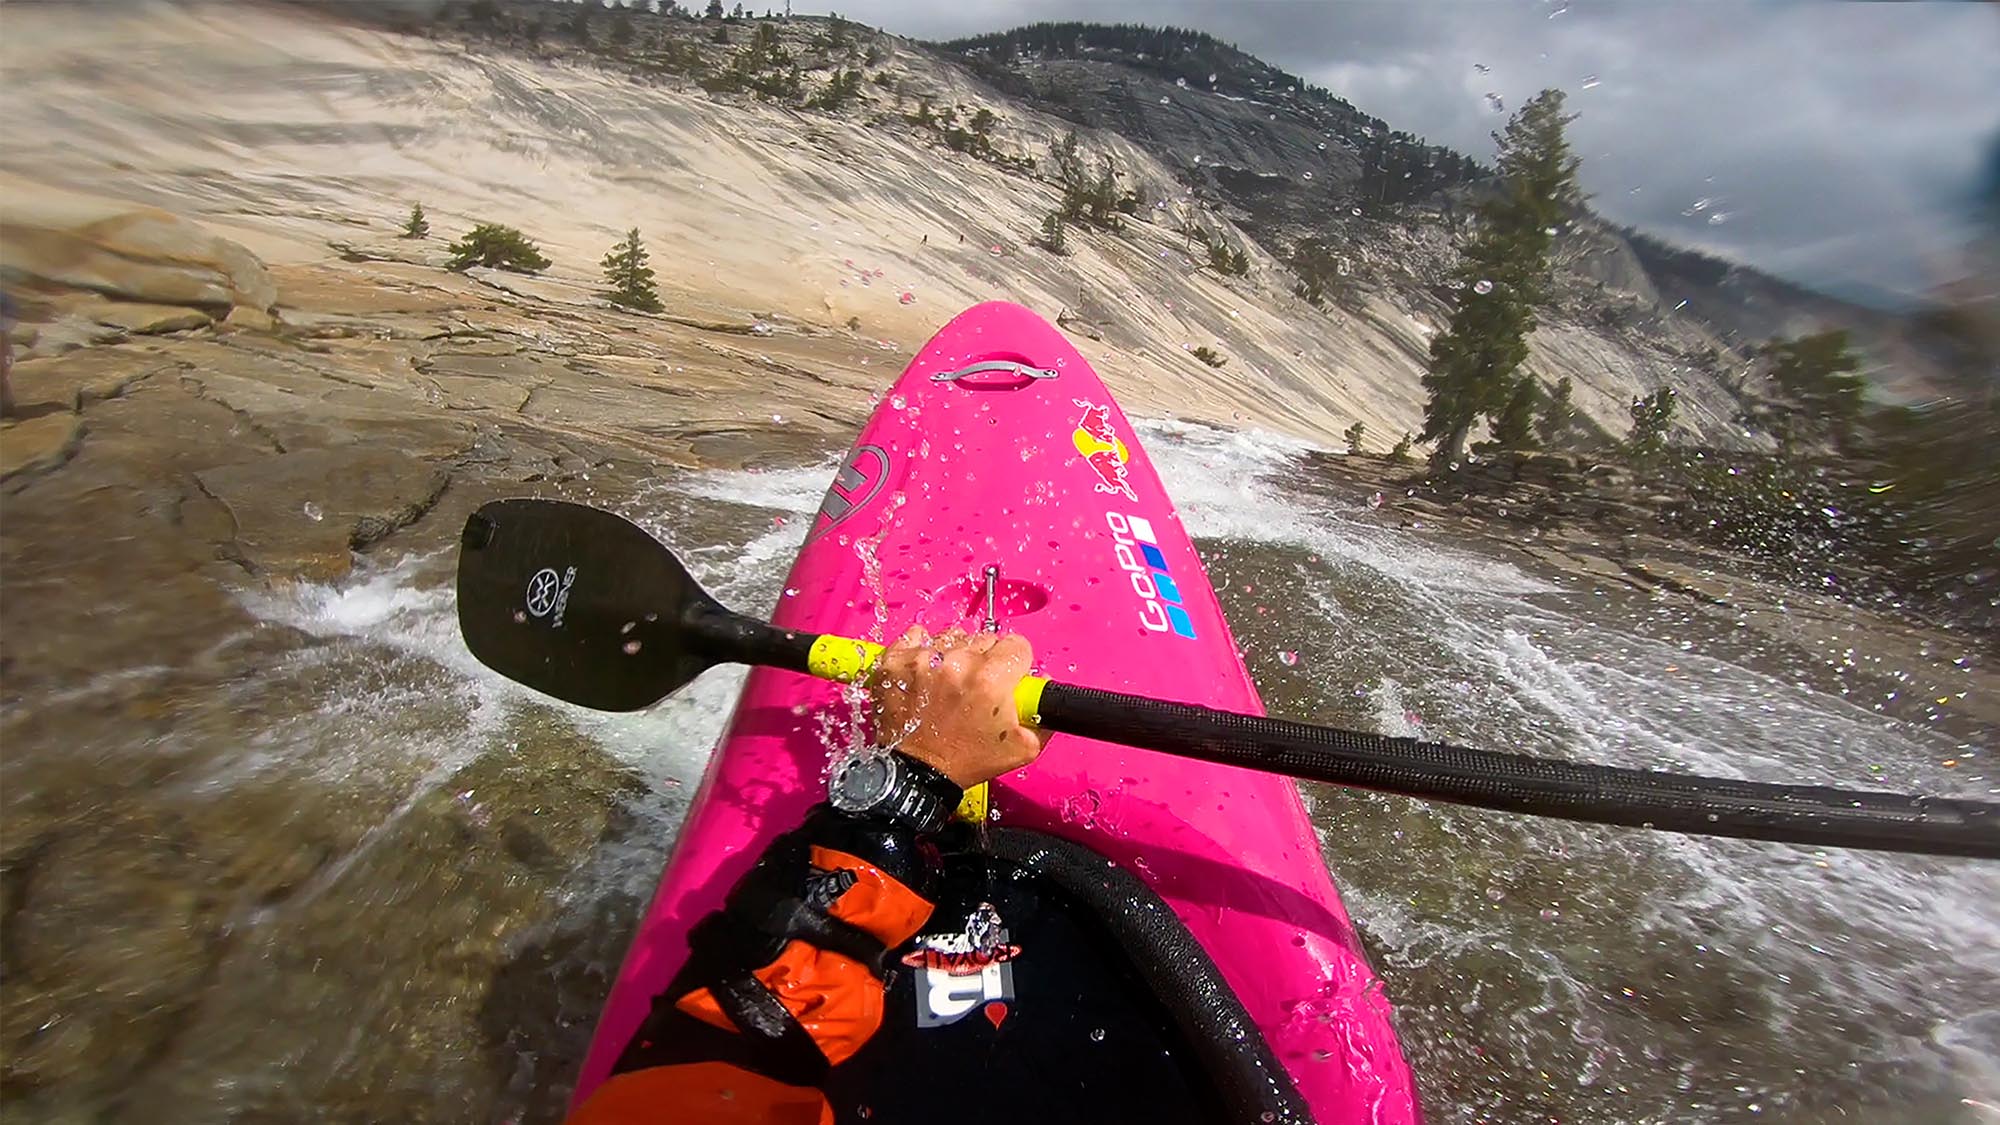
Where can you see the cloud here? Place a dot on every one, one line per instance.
(1840, 144)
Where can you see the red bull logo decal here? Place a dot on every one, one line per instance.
(1101, 450)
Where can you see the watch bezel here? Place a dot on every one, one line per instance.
(842, 794)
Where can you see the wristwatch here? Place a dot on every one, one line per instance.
(896, 787)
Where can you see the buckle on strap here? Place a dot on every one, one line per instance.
(780, 1046)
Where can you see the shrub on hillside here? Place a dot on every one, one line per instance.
(498, 247)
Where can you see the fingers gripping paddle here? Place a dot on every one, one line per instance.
(583, 605)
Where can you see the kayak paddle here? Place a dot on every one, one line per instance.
(586, 606)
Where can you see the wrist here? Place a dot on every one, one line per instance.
(938, 764)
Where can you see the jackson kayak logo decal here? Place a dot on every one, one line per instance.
(1161, 608)
(960, 964)
(548, 593)
(1102, 451)
(954, 978)
(856, 483)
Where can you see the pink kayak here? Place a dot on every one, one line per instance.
(1173, 934)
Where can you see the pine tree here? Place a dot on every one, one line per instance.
(1053, 238)
(630, 278)
(1503, 276)
(714, 10)
(1352, 436)
(1557, 416)
(418, 226)
(1400, 452)
(1652, 416)
(1818, 394)
(1514, 425)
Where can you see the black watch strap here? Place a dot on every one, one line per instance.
(921, 799)
(924, 798)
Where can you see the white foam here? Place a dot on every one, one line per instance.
(1234, 485)
(784, 490)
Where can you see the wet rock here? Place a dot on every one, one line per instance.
(301, 514)
(1710, 588)
(142, 255)
(408, 943)
(112, 933)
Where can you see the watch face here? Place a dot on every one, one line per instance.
(862, 783)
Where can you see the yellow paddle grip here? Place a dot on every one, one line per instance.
(841, 659)
(845, 660)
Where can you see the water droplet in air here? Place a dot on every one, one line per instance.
(1482, 287)
(1181, 82)
(1211, 79)
(779, 418)
(1495, 894)
(313, 513)
(1375, 500)
(1590, 81)
(1495, 103)
(632, 648)
(1719, 218)
(791, 591)
(1309, 175)
(1097, 1035)
(1289, 658)
(907, 298)
(1550, 914)
(520, 616)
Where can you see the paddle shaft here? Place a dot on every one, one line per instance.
(1520, 783)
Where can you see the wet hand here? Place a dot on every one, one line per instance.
(948, 701)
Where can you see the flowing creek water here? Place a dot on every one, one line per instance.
(1541, 970)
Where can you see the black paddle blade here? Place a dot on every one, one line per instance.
(579, 603)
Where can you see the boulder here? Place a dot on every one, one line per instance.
(149, 320)
(243, 318)
(36, 445)
(141, 254)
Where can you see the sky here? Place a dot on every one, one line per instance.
(1838, 144)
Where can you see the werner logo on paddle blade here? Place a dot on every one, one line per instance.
(1101, 449)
